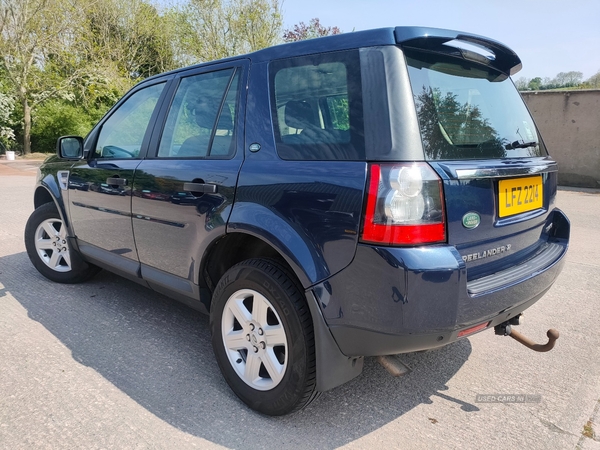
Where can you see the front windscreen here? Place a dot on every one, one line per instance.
(469, 111)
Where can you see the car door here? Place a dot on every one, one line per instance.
(100, 199)
(183, 191)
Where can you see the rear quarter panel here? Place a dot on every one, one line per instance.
(309, 211)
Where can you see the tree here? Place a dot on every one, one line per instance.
(30, 32)
(547, 83)
(534, 84)
(568, 79)
(57, 117)
(130, 35)
(522, 84)
(447, 124)
(314, 29)
(7, 105)
(594, 81)
(214, 29)
(86, 52)
(562, 80)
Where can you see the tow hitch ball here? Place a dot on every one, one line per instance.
(505, 329)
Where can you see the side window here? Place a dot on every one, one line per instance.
(201, 119)
(317, 103)
(122, 134)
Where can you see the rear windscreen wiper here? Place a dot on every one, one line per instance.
(518, 144)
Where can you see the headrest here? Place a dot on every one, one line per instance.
(205, 111)
(298, 114)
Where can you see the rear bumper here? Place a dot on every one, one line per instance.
(398, 300)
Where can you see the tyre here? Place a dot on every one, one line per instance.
(262, 336)
(49, 250)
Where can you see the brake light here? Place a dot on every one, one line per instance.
(404, 205)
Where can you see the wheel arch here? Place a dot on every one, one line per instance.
(236, 247)
(48, 191)
(295, 247)
(42, 196)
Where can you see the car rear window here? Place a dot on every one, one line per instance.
(317, 106)
(469, 111)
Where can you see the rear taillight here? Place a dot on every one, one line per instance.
(404, 205)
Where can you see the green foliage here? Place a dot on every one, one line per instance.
(33, 32)
(593, 82)
(446, 123)
(130, 36)
(82, 51)
(213, 29)
(534, 84)
(57, 118)
(7, 105)
(562, 80)
(340, 112)
(64, 64)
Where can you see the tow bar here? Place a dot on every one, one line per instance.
(397, 368)
(505, 329)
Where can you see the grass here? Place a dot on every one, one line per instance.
(588, 431)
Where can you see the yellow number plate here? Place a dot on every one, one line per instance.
(519, 195)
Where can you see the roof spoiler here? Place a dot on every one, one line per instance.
(433, 40)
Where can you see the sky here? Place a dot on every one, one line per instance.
(550, 36)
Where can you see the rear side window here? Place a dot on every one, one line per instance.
(201, 119)
(317, 107)
(469, 111)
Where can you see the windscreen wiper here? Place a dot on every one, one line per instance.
(518, 144)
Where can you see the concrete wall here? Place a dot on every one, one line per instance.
(569, 122)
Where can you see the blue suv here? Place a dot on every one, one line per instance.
(370, 193)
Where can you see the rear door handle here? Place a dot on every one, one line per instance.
(116, 181)
(205, 188)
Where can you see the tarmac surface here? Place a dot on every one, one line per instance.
(110, 364)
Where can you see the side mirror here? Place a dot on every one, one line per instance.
(70, 147)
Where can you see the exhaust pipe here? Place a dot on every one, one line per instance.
(393, 365)
(505, 329)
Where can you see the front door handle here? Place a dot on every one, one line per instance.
(116, 181)
(205, 188)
